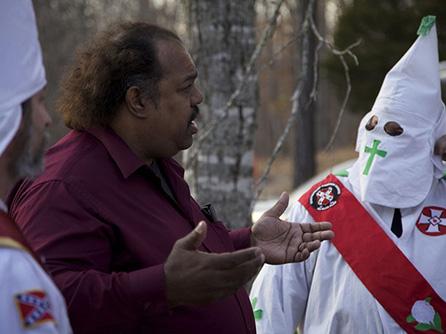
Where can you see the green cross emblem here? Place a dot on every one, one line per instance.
(373, 152)
(257, 312)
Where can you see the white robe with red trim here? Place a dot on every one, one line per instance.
(30, 302)
(323, 295)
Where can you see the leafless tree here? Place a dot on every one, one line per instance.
(305, 147)
(224, 37)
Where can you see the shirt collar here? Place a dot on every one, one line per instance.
(127, 161)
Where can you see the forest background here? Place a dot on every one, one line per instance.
(285, 81)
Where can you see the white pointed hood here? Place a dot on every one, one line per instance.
(21, 69)
(397, 168)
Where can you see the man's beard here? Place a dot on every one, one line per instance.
(29, 163)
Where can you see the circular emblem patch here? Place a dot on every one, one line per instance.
(325, 196)
(432, 221)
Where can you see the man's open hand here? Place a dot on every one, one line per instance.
(440, 147)
(194, 277)
(284, 242)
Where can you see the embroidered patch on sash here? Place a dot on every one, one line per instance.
(432, 221)
(325, 196)
(34, 308)
(424, 317)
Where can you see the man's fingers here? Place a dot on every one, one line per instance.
(317, 231)
(304, 250)
(312, 245)
(440, 147)
(315, 227)
(302, 256)
(321, 236)
(227, 280)
(229, 271)
(194, 239)
(319, 226)
(206, 276)
(230, 260)
(239, 275)
(279, 207)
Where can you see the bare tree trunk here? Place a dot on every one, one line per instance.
(304, 154)
(223, 37)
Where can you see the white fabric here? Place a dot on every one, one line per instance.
(411, 96)
(323, 295)
(21, 69)
(21, 273)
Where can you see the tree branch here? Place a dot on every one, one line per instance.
(309, 21)
(278, 52)
(259, 187)
(344, 103)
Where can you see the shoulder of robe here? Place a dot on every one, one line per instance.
(24, 289)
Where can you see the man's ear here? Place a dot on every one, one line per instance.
(136, 102)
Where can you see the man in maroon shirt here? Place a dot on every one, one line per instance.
(126, 243)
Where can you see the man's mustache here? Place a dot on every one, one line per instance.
(195, 113)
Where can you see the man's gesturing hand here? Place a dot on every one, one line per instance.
(284, 242)
(195, 277)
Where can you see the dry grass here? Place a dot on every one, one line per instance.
(280, 178)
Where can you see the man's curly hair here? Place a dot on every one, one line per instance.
(125, 55)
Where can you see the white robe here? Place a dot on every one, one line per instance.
(20, 274)
(323, 295)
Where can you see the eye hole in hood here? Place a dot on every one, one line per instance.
(392, 128)
(371, 123)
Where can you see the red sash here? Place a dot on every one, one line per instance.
(10, 235)
(380, 265)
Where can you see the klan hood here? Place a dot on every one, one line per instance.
(21, 69)
(396, 165)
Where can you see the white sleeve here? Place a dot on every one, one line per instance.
(30, 301)
(279, 293)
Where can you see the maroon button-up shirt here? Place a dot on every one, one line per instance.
(101, 220)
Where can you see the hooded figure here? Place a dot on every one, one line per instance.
(30, 302)
(384, 270)
(21, 69)
(396, 139)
